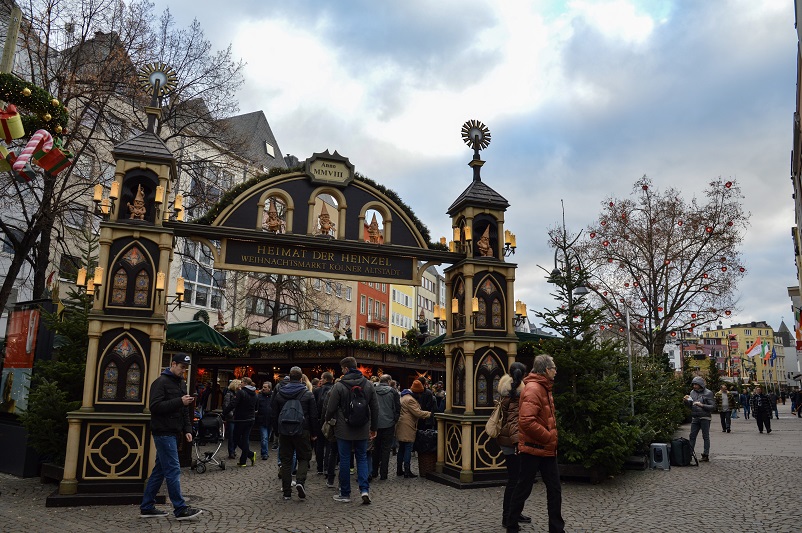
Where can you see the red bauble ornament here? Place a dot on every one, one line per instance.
(592, 234)
(640, 320)
(709, 229)
(693, 315)
(679, 223)
(605, 243)
(620, 330)
(610, 260)
(645, 187)
(673, 333)
(611, 204)
(730, 223)
(604, 293)
(626, 284)
(728, 312)
(601, 327)
(723, 269)
(617, 314)
(723, 259)
(660, 309)
(704, 275)
(706, 287)
(728, 184)
(603, 222)
(667, 262)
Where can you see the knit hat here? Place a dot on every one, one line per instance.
(417, 386)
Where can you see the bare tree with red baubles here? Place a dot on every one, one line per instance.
(671, 264)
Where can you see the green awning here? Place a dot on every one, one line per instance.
(197, 331)
(303, 335)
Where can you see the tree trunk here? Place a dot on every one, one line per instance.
(43, 248)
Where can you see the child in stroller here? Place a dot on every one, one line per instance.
(207, 429)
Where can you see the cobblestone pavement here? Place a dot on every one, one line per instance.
(712, 497)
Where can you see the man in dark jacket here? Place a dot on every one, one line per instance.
(349, 435)
(389, 410)
(321, 444)
(290, 441)
(702, 404)
(263, 401)
(761, 409)
(244, 408)
(427, 403)
(169, 419)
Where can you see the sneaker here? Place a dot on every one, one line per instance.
(152, 513)
(293, 483)
(705, 459)
(342, 498)
(288, 496)
(365, 498)
(188, 513)
(301, 491)
(253, 459)
(264, 458)
(329, 484)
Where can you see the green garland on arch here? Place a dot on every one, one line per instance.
(39, 103)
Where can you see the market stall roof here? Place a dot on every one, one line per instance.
(197, 331)
(302, 336)
(522, 337)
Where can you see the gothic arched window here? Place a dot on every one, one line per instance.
(488, 375)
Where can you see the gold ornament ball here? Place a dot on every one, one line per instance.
(54, 101)
(58, 129)
(47, 117)
(26, 92)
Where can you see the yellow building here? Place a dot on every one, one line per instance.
(730, 345)
(402, 312)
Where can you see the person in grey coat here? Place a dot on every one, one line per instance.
(702, 405)
(352, 437)
(389, 410)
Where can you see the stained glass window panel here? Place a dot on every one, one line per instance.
(134, 256)
(497, 315)
(141, 289)
(110, 375)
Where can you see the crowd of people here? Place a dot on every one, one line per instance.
(352, 423)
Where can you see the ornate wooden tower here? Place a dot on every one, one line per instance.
(480, 342)
(109, 450)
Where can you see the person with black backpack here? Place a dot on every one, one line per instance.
(352, 403)
(293, 411)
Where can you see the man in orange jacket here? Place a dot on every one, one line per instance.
(537, 444)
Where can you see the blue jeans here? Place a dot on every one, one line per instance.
(166, 468)
(232, 442)
(265, 432)
(360, 448)
(704, 425)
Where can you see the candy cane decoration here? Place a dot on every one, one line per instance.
(39, 140)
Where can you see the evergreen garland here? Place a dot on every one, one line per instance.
(39, 102)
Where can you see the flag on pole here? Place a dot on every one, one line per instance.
(765, 352)
(773, 355)
(754, 349)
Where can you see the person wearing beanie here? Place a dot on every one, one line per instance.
(702, 404)
(406, 430)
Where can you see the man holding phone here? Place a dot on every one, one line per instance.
(168, 398)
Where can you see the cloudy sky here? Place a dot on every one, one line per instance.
(582, 98)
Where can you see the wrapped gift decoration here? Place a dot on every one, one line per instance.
(5, 162)
(11, 124)
(53, 161)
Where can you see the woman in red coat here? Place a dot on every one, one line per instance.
(537, 444)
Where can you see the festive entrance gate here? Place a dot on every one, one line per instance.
(109, 450)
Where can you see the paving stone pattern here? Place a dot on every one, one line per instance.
(744, 463)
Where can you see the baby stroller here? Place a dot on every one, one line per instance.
(207, 429)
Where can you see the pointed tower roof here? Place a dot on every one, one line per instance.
(478, 194)
(783, 328)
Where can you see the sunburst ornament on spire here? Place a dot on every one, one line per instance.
(158, 77)
(476, 135)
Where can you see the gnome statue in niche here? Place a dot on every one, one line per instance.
(483, 244)
(138, 210)
(374, 233)
(325, 225)
(272, 222)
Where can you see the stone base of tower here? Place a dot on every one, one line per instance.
(466, 457)
(108, 459)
